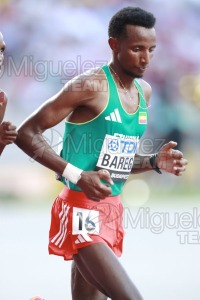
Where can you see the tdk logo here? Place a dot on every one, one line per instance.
(122, 146)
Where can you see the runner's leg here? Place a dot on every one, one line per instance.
(83, 290)
(99, 266)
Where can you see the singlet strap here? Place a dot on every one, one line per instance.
(111, 82)
(139, 88)
(142, 98)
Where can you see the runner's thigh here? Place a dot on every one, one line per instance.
(82, 289)
(98, 262)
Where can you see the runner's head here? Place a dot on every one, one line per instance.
(129, 16)
(132, 39)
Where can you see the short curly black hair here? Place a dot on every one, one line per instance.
(129, 16)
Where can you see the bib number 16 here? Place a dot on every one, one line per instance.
(85, 221)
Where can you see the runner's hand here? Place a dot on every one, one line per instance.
(8, 133)
(90, 183)
(171, 160)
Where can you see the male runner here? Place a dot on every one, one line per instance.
(106, 115)
(7, 130)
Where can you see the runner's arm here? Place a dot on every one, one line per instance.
(8, 131)
(30, 139)
(3, 104)
(167, 159)
(30, 133)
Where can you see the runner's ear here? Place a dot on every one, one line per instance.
(114, 44)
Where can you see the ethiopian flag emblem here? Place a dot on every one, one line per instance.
(142, 118)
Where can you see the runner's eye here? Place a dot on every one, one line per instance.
(2, 49)
(152, 49)
(137, 49)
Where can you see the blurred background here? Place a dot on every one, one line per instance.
(48, 43)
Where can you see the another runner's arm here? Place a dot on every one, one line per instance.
(3, 103)
(7, 130)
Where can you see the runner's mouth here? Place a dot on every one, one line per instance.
(142, 69)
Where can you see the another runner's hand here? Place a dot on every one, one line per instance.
(8, 133)
(90, 183)
(171, 160)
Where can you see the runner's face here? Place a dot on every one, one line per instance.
(136, 50)
(2, 48)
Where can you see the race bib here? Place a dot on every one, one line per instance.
(85, 221)
(117, 156)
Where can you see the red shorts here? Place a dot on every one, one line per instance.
(77, 222)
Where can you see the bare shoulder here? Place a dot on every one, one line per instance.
(87, 84)
(81, 91)
(146, 89)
